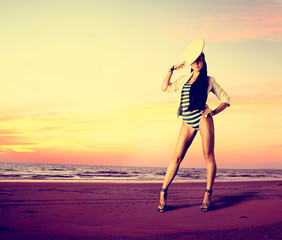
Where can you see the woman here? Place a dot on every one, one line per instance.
(196, 115)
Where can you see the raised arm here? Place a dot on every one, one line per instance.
(167, 78)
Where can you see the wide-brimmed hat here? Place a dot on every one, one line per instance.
(193, 50)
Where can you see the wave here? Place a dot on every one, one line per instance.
(22, 171)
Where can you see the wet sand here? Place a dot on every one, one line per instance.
(88, 210)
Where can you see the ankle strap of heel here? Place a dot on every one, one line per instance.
(209, 192)
(164, 190)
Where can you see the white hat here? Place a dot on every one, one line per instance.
(193, 50)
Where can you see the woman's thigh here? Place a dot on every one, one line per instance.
(185, 138)
(206, 129)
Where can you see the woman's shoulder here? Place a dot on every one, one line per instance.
(211, 79)
(183, 78)
(186, 76)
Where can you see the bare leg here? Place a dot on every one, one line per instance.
(185, 138)
(207, 133)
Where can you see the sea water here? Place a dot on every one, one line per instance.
(54, 172)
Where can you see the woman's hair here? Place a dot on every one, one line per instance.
(199, 89)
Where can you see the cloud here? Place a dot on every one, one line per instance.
(16, 144)
(32, 130)
(259, 93)
(24, 128)
(262, 21)
(8, 131)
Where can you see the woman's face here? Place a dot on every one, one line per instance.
(198, 64)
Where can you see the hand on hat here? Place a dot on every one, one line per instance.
(179, 66)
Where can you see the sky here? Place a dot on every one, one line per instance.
(80, 80)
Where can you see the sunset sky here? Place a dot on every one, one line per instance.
(81, 80)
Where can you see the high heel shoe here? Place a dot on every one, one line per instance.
(205, 206)
(163, 206)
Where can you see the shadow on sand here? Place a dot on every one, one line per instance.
(221, 202)
(230, 201)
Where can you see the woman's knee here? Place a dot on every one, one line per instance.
(177, 159)
(209, 155)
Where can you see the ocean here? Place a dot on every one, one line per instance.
(57, 172)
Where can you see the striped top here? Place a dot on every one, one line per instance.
(185, 96)
(192, 118)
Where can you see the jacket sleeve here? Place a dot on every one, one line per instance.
(173, 87)
(220, 93)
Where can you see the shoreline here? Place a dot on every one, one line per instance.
(91, 210)
(130, 181)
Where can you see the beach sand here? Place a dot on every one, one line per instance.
(88, 210)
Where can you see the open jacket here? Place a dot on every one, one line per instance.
(213, 87)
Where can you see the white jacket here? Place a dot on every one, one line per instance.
(213, 87)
